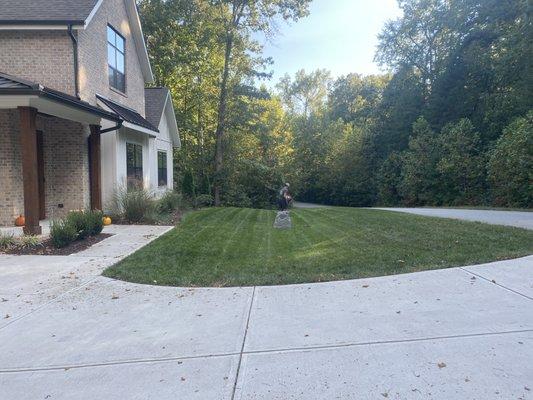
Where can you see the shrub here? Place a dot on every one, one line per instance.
(134, 205)
(169, 202)
(7, 241)
(62, 232)
(80, 221)
(204, 200)
(95, 222)
(510, 165)
(28, 241)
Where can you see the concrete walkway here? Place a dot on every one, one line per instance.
(461, 333)
(519, 219)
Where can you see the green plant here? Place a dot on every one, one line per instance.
(95, 222)
(80, 220)
(7, 241)
(62, 232)
(134, 205)
(28, 241)
(169, 202)
(204, 200)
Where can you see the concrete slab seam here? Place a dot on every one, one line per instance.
(256, 352)
(465, 269)
(243, 345)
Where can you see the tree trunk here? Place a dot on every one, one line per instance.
(221, 123)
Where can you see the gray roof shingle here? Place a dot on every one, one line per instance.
(127, 114)
(155, 99)
(45, 11)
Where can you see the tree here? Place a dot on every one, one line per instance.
(420, 178)
(239, 18)
(307, 93)
(462, 165)
(510, 166)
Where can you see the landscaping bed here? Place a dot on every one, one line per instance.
(240, 247)
(47, 248)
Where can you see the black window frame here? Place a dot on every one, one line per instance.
(162, 171)
(117, 78)
(134, 170)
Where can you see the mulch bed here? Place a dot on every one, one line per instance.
(46, 248)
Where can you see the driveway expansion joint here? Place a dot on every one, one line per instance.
(465, 269)
(254, 352)
(243, 344)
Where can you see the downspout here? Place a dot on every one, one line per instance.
(75, 51)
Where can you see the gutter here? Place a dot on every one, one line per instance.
(76, 67)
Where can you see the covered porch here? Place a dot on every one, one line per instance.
(50, 153)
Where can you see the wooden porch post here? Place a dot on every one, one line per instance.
(95, 176)
(28, 145)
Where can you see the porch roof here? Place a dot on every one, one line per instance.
(14, 86)
(127, 114)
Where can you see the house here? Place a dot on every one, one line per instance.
(76, 119)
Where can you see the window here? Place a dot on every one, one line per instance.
(115, 59)
(134, 165)
(162, 168)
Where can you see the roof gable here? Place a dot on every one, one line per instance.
(60, 14)
(155, 100)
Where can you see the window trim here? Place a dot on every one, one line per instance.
(115, 49)
(166, 168)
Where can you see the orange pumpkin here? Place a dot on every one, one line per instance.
(106, 221)
(20, 221)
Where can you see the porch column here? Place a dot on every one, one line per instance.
(95, 175)
(28, 146)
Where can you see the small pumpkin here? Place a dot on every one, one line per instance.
(106, 221)
(20, 221)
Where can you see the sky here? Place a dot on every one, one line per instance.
(338, 35)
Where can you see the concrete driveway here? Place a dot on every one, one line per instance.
(519, 219)
(461, 333)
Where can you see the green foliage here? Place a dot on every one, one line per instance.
(62, 232)
(461, 66)
(169, 202)
(462, 165)
(87, 223)
(420, 178)
(510, 166)
(389, 180)
(134, 205)
(204, 200)
(28, 241)
(7, 241)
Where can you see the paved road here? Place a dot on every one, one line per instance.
(519, 219)
(461, 333)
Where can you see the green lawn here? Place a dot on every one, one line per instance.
(233, 247)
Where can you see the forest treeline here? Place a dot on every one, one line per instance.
(450, 124)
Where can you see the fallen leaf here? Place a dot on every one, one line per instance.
(182, 379)
(114, 297)
(365, 286)
(385, 394)
(442, 365)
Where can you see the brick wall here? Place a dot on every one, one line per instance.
(93, 58)
(41, 56)
(11, 191)
(65, 163)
